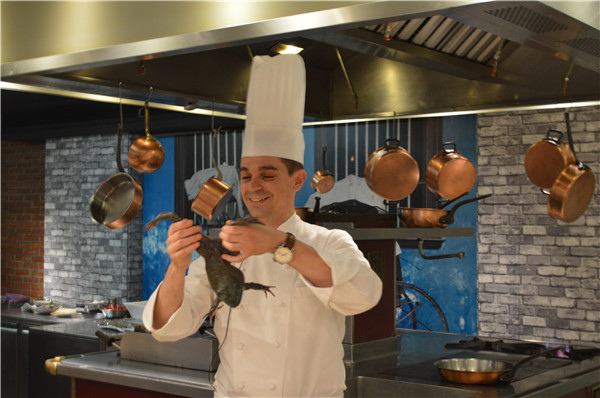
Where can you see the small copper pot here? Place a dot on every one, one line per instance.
(146, 154)
(214, 195)
(391, 172)
(546, 159)
(450, 174)
(323, 180)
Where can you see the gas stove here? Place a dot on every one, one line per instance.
(524, 348)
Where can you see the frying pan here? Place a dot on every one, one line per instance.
(432, 218)
(483, 371)
(322, 181)
(118, 198)
(214, 193)
(391, 172)
(573, 189)
(545, 159)
(146, 154)
(449, 174)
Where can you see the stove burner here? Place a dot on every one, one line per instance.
(576, 354)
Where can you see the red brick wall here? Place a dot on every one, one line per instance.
(23, 218)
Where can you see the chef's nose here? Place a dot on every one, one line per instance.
(253, 184)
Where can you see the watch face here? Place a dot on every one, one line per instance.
(283, 255)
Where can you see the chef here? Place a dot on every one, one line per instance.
(289, 344)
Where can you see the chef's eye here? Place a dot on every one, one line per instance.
(268, 176)
(245, 177)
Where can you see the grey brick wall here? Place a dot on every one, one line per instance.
(538, 278)
(84, 261)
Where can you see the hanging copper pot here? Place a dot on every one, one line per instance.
(391, 172)
(432, 218)
(323, 180)
(450, 174)
(546, 159)
(118, 199)
(146, 154)
(573, 189)
(214, 194)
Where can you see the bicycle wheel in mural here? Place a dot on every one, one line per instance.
(416, 309)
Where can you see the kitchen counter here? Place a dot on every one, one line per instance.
(413, 371)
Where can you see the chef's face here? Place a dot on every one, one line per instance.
(268, 189)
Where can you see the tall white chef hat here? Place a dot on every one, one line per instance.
(275, 108)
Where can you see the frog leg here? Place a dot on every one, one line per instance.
(213, 310)
(258, 286)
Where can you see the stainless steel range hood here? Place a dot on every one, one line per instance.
(439, 57)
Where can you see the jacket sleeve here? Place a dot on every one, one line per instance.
(356, 287)
(189, 316)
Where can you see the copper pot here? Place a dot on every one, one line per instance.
(146, 154)
(450, 174)
(573, 189)
(118, 199)
(323, 180)
(214, 195)
(391, 172)
(546, 159)
(432, 218)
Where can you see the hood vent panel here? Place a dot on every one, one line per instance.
(529, 19)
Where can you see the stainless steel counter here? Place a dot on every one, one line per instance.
(410, 368)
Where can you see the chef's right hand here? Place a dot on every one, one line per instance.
(182, 239)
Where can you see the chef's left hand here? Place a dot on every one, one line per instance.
(249, 240)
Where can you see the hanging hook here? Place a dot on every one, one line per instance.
(566, 82)
(440, 256)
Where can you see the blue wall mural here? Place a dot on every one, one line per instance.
(159, 196)
(452, 282)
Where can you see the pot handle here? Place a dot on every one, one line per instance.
(449, 218)
(509, 374)
(554, 140)
(397, 141)
(324, 152)
(452, 144)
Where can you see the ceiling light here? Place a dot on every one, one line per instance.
(283, 48)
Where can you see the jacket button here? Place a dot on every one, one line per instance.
(240, 307)
(272, 387)
(241, 386)
(281, 304)
(241, 346)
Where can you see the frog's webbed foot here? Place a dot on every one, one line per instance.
(167, 215)
(258, 286)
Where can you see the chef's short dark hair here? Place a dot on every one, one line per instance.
(292, 166)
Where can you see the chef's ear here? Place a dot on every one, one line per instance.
(299, 178)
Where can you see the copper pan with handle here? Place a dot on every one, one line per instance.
(391, 172)
(146, 154)
(573, 189)
(118, 199)
(432, 218)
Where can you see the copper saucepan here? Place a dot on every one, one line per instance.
(146, 154)
(450, 174)
(391, 172)
(432, 218)
(323, 180)
(573, 189)
(483, 371)
(546, 159)
(214, 194)
(118, 199)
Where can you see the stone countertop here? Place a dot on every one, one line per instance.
(411, 364)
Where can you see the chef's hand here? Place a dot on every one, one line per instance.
(249, 240)
(182, 239)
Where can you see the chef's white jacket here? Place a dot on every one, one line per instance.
(286, 345)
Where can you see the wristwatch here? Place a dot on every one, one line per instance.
(284, 253)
